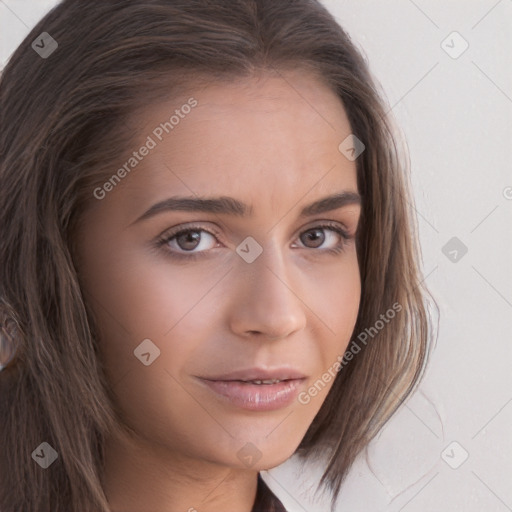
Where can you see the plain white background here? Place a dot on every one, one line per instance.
(455, 112)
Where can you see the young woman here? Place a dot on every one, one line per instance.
(208, 257)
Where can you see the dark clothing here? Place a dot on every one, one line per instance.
(266, 501)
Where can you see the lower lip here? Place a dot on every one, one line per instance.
(256, 397)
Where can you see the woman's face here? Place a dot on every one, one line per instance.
(183, 319)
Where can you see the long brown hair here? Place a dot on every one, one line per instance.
(64, 123)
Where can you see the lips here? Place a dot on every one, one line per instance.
(256, 389)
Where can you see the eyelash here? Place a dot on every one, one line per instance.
(191, 256)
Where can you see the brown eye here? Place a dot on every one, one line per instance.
(193, 241)
(188, 240)
(316, 236)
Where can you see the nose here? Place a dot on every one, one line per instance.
(266, 302)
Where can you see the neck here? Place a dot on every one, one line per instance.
(138, 478)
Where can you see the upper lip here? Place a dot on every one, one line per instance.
(259, 374)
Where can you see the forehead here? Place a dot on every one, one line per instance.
(272, 137)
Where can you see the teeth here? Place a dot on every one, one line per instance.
(268, 381)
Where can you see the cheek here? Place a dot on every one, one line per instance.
(335, 298)
(156, 302)
(336, 301)
(346, 307)
(134, 300)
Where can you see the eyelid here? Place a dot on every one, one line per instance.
(192, 226)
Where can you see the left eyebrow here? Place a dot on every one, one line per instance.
(231, 206)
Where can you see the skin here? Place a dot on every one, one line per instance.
(272, 143)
